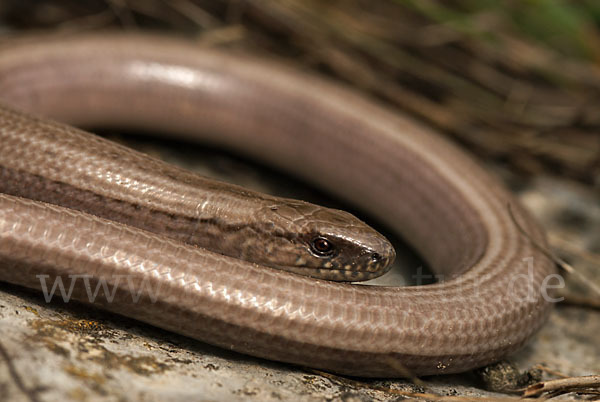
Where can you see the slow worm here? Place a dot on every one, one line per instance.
(438, 198)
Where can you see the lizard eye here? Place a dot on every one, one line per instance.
(321, 247)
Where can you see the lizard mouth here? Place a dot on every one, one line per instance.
(336, 275)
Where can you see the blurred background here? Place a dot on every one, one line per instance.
(516, 82)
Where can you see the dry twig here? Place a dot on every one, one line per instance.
(563, 385)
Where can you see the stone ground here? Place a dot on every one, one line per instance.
(56, 352)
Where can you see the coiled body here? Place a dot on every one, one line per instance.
(434, 195)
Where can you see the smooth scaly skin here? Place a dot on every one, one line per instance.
(64, 166)
(438, 198)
